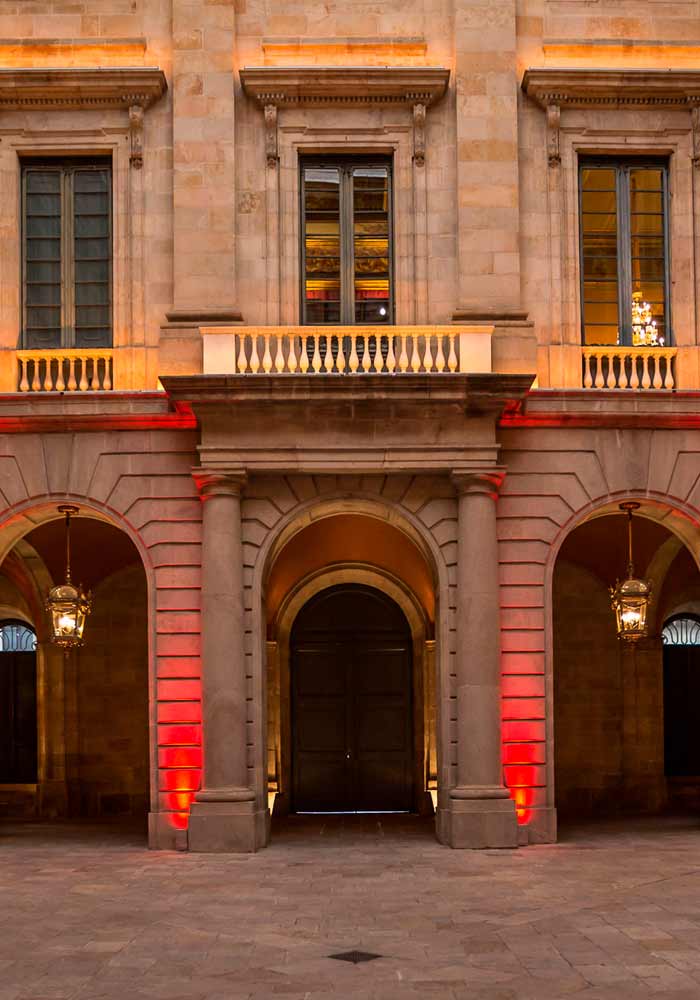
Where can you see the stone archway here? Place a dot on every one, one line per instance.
(408, 583)
(93, 704)
(606, 724)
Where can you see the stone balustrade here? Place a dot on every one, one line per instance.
(75, 370)
(347, 350)
(629, 367)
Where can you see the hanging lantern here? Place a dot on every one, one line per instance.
(631, 598)
(68, 605)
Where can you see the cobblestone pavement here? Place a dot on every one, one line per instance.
(611, 912)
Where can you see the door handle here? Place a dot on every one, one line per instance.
(347, 755)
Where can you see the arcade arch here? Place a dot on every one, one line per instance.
(608, 722)
(92, 704)
(351, 550)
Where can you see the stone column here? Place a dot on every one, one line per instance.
(225, 816)
(482, 814)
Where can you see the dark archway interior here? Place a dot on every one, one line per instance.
(352, 704)
(92, 705)
(609, 713)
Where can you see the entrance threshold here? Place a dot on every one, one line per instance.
(353, 812)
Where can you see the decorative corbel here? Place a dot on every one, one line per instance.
(271, 134)
(553, 123)
(695, 121)
(419, 134)
(136, 135)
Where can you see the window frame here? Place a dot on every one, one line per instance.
(345, 164)
(622, 166)
(66, 166)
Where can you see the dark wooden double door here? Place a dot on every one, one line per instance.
(352, 712)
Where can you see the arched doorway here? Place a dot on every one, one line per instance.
(352, 704)
(86, 711)
(18, 704)
(613, 700)
(681, 664)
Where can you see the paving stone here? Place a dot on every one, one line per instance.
(612, 913)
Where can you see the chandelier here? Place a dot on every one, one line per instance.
(68, 606)
(631, 598)
(644, 329)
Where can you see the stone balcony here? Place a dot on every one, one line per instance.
(347, 350)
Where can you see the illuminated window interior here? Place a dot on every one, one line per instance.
(624, 253)
(346, 254)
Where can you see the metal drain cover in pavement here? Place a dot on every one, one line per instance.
(355, 956)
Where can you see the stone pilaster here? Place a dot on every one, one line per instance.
(203, 161)
(487, 158)
(225, 815)
(481, 812)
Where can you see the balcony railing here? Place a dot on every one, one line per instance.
(629, 368)
(65, 371)
(346, 350)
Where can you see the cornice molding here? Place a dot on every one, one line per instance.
(79, 88)
(583, 88)
(290, 86)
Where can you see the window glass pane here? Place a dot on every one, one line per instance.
(322, 253)
(648, 256)
(371, 249)
(42, 258)
(599, 255)
(92, 257)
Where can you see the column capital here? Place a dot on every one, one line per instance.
(216, 483)
(478, 481)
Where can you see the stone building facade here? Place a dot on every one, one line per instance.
(348, 329)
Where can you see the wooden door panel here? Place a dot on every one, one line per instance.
(380, 728)
(352, 705)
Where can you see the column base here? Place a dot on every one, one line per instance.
(228, 827)
(478, 818)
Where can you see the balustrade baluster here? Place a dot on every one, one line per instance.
(292, 355)
(316, 359)
(428, 354)
(83, 384)
(267, 356)
(669, 381)
(107, 378)
(390, 356)
(633, 381)
(354, 359)
(36, 383)
(328, 353)
(610, 382)
(599, 380)
(657, 373)
(587, 377)
(403, 355)
(23, 380)
(439, 355)
(366, 356)
(241, 360)
(254, 356)
(340, 359)
(72, 382)
(646, 380)
(279, 354)
(415, 353)
(452, 361)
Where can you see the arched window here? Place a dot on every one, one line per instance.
(681, 630)
(681, 643)
(16, 637)
(18, 721)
